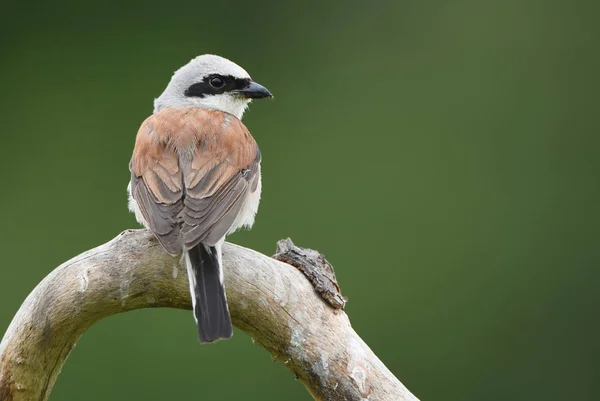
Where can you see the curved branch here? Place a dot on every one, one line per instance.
(270, 300)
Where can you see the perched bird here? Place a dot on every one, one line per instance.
(195, 176)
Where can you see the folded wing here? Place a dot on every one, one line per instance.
(190, 173)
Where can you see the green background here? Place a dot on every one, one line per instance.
(442, 155)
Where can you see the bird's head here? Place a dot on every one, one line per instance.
(212, 82)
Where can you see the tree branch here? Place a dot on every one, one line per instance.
(270, 300)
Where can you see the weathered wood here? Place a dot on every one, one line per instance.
(316, 268)
(270, 300)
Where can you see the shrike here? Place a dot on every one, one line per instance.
(195, 176)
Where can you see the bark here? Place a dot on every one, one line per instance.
(270, 300)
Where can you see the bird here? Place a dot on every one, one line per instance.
(196, 177)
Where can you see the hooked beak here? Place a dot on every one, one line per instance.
(254, 91)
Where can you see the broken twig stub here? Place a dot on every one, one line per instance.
(316, 268)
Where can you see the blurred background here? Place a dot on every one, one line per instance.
(442, 155)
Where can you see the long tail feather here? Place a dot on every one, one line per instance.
(208, 293)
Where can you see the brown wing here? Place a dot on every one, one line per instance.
(190, 172)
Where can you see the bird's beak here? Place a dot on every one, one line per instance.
(254, 91)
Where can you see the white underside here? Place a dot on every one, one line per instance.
(133, 207)
(249, 209)
(191, 281)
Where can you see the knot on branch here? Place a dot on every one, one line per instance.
(316, 268)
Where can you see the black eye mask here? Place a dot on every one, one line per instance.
(208, 86)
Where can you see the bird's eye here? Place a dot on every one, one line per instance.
(217, 82)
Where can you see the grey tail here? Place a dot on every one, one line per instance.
(208, 293)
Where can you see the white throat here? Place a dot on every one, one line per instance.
(225, 102)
